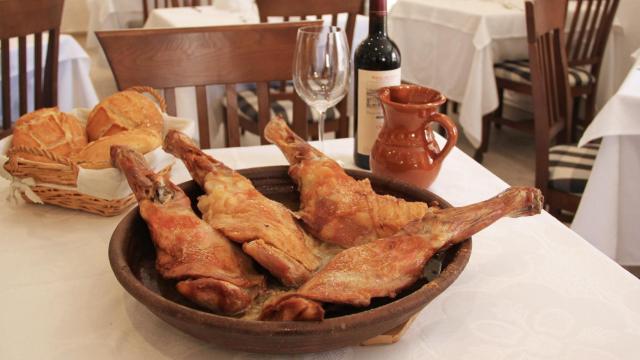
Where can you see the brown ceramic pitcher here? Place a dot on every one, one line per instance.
(406, 149)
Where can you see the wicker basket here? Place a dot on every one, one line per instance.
(63, 172)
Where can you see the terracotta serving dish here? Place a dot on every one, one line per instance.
(132, 258)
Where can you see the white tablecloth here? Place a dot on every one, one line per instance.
(213, 16)
(119, 14)
(75, 88)
(451, 45)
(609, 212)
(533, 289)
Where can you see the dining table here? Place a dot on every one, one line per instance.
(533, 288)
(198, 16)
(75, 88)
(609, 209)
(452, 45)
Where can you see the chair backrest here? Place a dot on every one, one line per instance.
(549, 79)
(21, 18)
(219, 55)
(589, 31)
(148, 5)
(305, 8)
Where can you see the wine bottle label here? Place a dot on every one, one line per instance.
(370, 116)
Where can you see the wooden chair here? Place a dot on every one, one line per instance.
(21, 18)
(589, 29)
(220, 55)
(562, 169)
(154, 4)
(317, 8)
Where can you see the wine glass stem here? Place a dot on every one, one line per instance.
(321, 130)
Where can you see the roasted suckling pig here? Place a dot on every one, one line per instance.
(211, 271)
(384, 267)
(266, 229)
(335, 207)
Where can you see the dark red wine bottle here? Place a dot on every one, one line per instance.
(377, 64)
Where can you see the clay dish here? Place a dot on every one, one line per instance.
(132, 257)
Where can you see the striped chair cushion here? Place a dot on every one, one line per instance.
(570, 166)
(519, 71)
(248, 107)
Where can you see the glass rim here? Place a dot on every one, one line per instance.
(316, 29)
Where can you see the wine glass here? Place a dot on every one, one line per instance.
(321, 69)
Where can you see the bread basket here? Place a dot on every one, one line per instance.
(56, 182)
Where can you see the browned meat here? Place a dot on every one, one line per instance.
(266, 229)
(211, 271)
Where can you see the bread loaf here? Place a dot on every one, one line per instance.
(97, 155)
(122, 111)
(49, 129)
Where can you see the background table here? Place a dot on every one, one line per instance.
(111, 15)
(609, 212)
(75, 88)
(533, 288)
(214, 16)
(452, 45)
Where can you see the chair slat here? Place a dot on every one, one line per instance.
(300, 124)
(145, 10)
(6, 85)
(584, 28)
(203, 117)
(343, 126)
(22, 70)
(233, 125)
(170, 98)
(264, 109)
(573, 29)
(592, 28)
(51, 69)
(37, 71)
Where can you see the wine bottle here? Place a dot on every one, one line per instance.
(377, 64)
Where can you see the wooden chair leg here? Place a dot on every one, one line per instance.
(590, 109)
(500, 110)
(455, 107)
(486, 132)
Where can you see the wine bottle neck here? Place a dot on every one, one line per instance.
(377, 17)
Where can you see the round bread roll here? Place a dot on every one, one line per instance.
(97, 154)
(122, 111)
(49, 129)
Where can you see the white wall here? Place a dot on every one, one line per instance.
(626, 38)
(75, 16)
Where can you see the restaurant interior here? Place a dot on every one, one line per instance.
(320, 179)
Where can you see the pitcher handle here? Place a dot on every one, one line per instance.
(451, 130)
